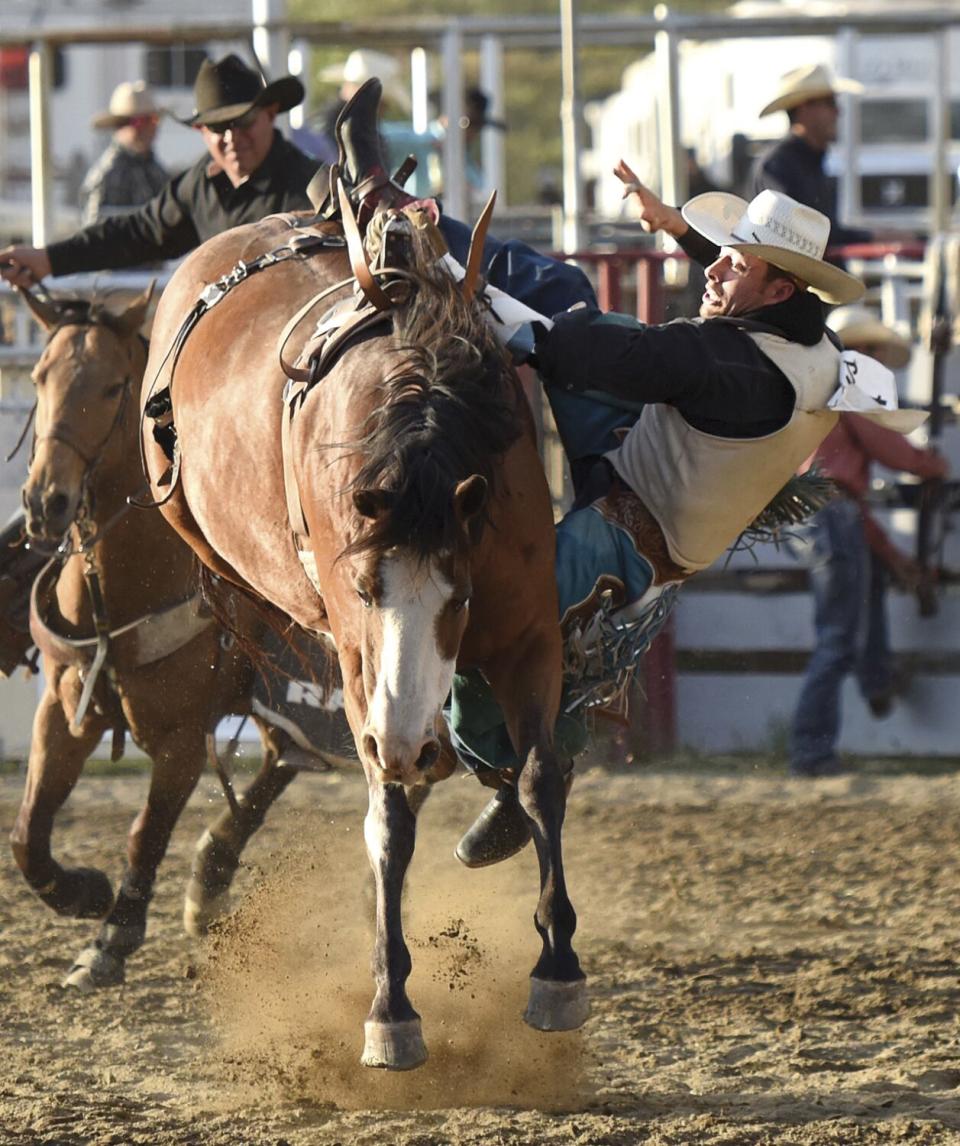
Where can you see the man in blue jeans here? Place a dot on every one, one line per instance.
(851, 561)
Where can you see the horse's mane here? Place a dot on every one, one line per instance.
(448, 410)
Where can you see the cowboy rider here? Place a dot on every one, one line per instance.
(733, 402)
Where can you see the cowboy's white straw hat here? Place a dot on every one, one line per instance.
(363, 64)
(772, 226)
(128, 100)
(812, 81)
(858, 327)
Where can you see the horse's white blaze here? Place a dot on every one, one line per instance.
(413, 679)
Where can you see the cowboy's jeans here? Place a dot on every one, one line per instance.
(850, 632)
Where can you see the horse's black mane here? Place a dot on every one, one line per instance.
(448, 410)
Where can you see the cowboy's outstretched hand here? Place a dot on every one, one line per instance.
(655, 215)
(24, 266)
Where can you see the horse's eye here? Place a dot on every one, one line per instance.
(115, 391)
(458, 604)
(365, 599)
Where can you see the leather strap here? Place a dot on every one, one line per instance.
(320, 357)
(358, 255)
(298, 373)
(294, 394)
(144, 641)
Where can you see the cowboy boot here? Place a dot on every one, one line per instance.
(501, 830)
(361, 162)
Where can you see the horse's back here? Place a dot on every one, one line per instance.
(212, 260)
(226, 386)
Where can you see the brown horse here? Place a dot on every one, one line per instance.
(170, 674)
(407, 516)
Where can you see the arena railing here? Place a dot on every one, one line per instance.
(652, 284)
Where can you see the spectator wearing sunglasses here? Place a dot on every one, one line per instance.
(128, 172)
(250, 171)
(795, 164)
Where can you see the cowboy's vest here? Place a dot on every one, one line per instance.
(705, 490)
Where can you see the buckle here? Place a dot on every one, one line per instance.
(212, 294)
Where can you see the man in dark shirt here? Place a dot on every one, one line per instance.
(250, 171)
(731, 405)
(794, 165)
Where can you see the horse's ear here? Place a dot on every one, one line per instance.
(469, 502)
(44, 310)
(372, 502)
(130, 321)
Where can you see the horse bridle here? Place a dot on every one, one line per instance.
(83, 519)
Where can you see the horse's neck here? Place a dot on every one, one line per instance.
(141, 563)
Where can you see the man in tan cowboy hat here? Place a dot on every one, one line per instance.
(731, 404)
(249, 171)
(360, 67)
(852, 562)
(363, 64)
(794, 165)
(127, 173)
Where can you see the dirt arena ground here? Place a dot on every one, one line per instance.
(770, 962)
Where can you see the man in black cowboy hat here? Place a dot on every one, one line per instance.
(250, 171)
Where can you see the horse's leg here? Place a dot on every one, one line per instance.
(178, 759)
(219, 849)
(392, 1033)
(56, 761)
(558, 997)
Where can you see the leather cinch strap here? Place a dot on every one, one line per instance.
(144, 641)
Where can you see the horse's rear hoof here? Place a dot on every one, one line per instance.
(94, 968)
(557, 1006)
(393, 1046)
(80, 893)
(202, 910)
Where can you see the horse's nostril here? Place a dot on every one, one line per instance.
(429, 754)
(56, 505)
(371, 749)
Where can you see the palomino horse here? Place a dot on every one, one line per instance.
(169, 673)
(398, 504)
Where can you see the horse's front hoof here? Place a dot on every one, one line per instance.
(556, 1005)
(80, 893)
(393, 1046)
(94, 968)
